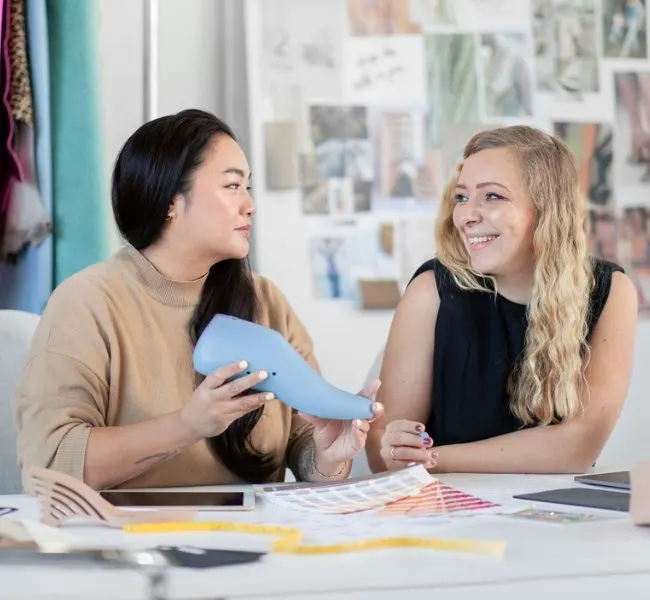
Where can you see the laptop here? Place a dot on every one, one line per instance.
(615, 479)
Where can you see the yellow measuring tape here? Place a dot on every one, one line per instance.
(290, 539)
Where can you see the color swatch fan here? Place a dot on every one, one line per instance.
(436, 498)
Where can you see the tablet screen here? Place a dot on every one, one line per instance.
(186, 499)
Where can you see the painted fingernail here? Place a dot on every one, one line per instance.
(263, 375)
(427, 441)
(269, 396)
(243, 364)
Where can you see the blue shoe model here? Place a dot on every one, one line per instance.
(228, 339)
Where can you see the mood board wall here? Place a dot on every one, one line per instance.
(360, 109)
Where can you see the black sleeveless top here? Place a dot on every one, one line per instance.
(477, 341)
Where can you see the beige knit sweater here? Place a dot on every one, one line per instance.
(113, 348)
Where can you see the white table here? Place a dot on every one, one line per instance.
(599, 559)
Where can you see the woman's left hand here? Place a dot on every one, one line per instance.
(337, 442)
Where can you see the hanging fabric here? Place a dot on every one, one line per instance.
(20, 96)
(80, 199)
(10, 167)
(26, 221)
(27, 284)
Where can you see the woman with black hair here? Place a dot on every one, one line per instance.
(109, 394)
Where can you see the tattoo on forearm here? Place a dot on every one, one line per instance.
(159, 457)
(307, 461)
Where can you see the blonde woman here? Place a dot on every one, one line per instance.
(512, 348)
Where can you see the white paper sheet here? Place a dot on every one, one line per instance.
(386, 71)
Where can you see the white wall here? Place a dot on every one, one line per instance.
(346, 340)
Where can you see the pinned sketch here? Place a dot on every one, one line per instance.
(385, 70)
(507, 80)
(566, 59)
(405, 171)
(591, 144)
(434, 14)
(632, 130)
(624, 29)
(452, 86)
(473, 15)
(281, 156)
(301, 44)
(380, 17)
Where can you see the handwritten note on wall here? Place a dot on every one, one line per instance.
(386, 70)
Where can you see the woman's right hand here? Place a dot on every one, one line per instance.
(405, 442)
(215, 404)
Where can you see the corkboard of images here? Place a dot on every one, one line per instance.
(369, 103)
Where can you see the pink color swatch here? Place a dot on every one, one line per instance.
(436, 499)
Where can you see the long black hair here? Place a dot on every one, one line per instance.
(156, 164)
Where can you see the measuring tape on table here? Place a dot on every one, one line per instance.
(290, 539)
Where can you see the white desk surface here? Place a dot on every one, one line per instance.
(599, 559)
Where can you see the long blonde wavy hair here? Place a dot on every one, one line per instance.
(545, 384)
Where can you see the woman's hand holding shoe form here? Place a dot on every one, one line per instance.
(217, 402)
(336, 443)
(404, 443)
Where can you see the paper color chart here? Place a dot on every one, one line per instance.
(352, 495)
(436, 498)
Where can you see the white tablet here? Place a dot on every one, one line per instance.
(170, 499)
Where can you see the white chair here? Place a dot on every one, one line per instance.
(629, 443)
(16, 331)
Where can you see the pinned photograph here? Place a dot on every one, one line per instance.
(624, 29)
(340, 197)
(404, 173)
(507, 79)
(380, 17)
(635, 251)
(474, 15)
(592, 145)
(452, 85)
(330, 267)
(604, 235)
(358, 158)
(340, 141)
(315, 198)
(632, 128)
(564, 33)
(281, 156)
(362, 196)
(302, 44)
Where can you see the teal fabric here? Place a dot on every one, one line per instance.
(80, 193)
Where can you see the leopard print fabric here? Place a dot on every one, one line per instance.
(20, 95)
